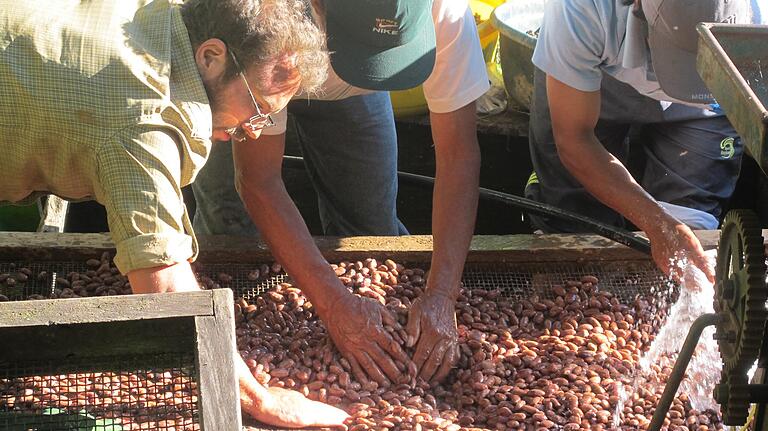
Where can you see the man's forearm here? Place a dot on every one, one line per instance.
(251, 391)
(606, 178)
(173, 278)
(456, 193)
(453, 222)
(284, 230)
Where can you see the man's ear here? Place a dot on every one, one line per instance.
(211, 58)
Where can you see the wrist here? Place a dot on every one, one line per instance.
(331, 295)
(448, 291)
(656, 221)
(252, 393)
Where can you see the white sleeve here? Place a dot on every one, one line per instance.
(459, 76)
(570, 44)
(281, 123)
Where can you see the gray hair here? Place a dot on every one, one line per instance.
(262, 31)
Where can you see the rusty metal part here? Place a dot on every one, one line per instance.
(740, 295)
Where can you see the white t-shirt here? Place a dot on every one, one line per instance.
(458, 78)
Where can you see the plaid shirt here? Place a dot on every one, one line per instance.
(102, 100)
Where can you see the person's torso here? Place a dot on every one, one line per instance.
(73, 73)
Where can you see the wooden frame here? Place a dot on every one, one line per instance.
(20, 246)
(200, 322)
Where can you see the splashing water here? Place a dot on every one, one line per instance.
(703, 372)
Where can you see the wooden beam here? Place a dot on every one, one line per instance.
(217, 377)
(105, 309)
(21, 246)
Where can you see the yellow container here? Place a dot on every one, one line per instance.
(411, 102)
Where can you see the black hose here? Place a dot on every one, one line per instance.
(630, 239)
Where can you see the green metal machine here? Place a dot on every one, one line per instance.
(733, 62)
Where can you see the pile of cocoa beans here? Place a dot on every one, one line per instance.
(537, 363)
(136, 400)
(557, 362)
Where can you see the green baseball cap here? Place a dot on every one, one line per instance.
(381, 44)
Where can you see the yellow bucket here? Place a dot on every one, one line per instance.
(411, 102)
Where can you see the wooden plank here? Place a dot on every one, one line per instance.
(216, 349)
(33, 246)
(228, 249)
(105, 309)
(71, 348)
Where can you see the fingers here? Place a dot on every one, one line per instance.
(391, 347)
(385, 363)
(450, 359)
(323, 415)
(434, 361)
(702, 263)
(389, 319)
(423, 351)
(413, 328)
(371, 369)
(357, 370)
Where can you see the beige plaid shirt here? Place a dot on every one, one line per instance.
(102, 100)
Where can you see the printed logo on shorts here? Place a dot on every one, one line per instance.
(726, 148)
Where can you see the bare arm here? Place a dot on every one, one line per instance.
(574, 117)
(274, 406)
(457, 178)
(258, 178)
(432, 320)
(173, 278)
(355, 324)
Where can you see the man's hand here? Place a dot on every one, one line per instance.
(171, 278)
(671, 240)
(432, 328)
(290, 409)
(356, 326)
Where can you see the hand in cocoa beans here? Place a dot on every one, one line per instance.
(432, 329)
(290, 409)
(356, 326)
(674, 240)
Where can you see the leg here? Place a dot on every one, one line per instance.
(693, 163)
(350, 150)
(219, 209)
(557, 186)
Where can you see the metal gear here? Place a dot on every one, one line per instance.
(740, 296)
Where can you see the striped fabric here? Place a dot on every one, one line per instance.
(102, 100)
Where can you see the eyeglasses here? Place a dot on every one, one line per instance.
(254, 124)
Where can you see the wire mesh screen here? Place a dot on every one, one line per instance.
(626, 280)
(124, 394)
(36, 280)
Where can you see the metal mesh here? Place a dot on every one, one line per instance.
(115, 394)
(516, 280)
(625, 280)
